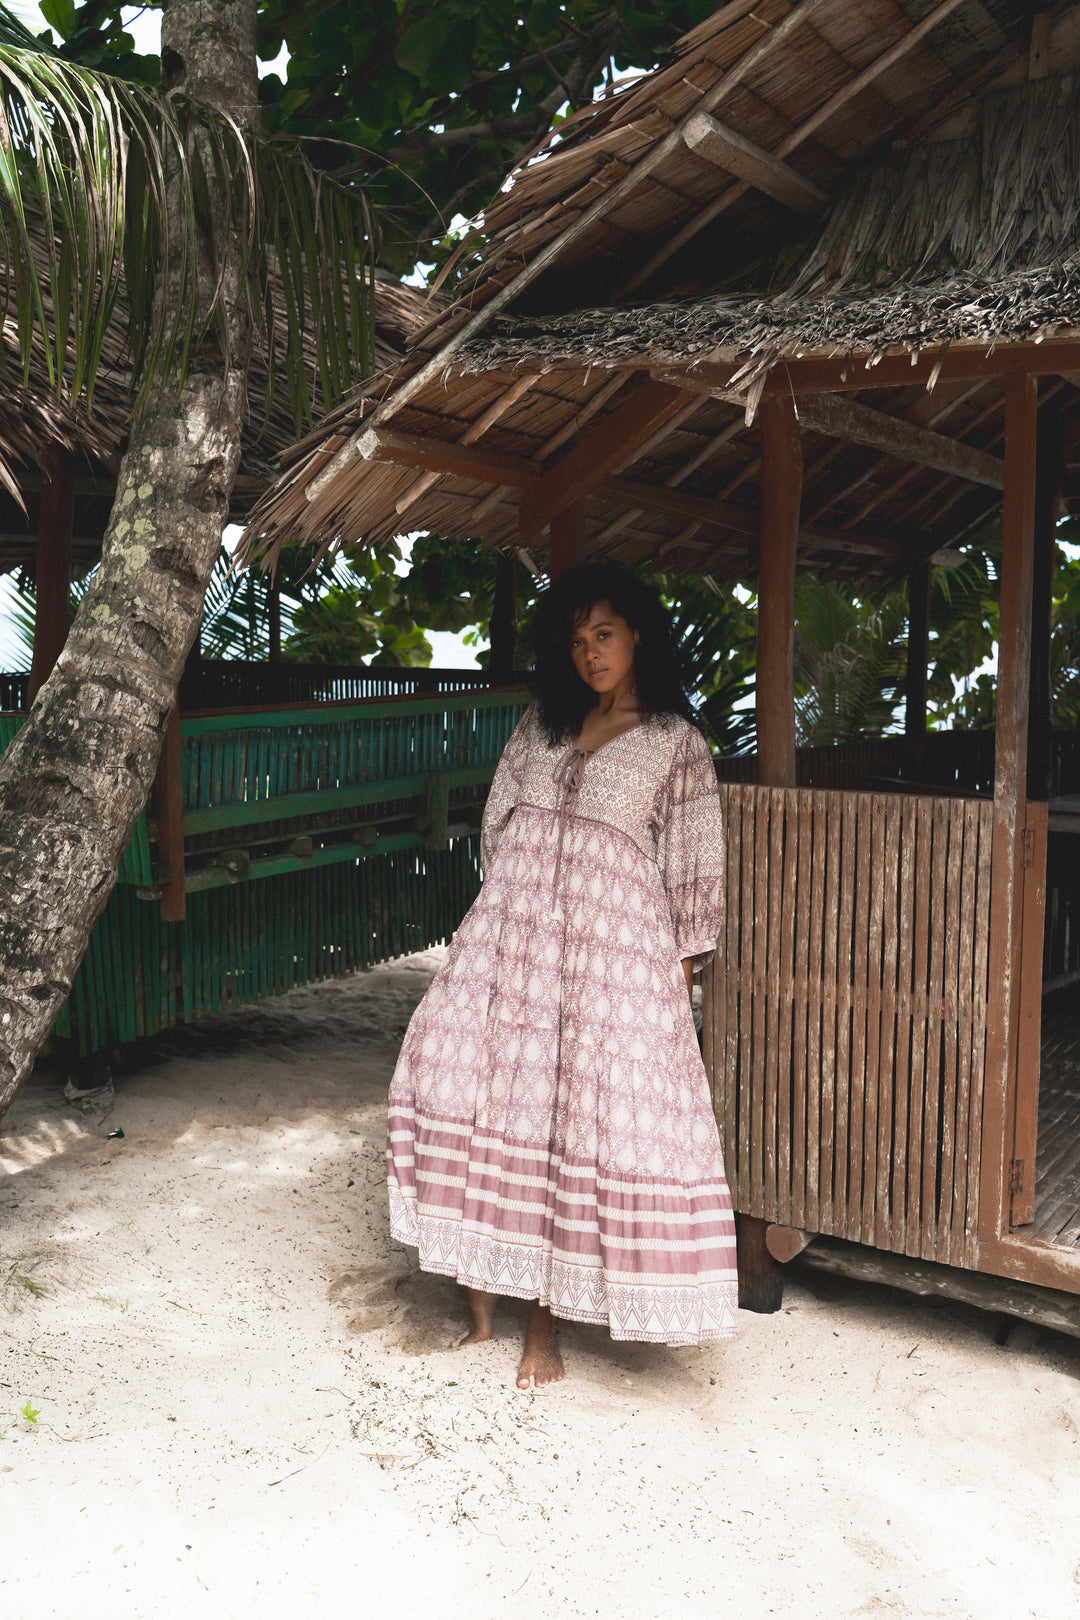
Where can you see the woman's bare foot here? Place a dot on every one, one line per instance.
(541, 1362)
(481, 1315)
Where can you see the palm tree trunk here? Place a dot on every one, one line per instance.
(75, 779)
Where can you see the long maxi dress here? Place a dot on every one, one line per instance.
(551, 1132)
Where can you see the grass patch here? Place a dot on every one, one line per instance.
(19, 1281)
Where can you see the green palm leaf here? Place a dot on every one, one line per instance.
(86, 162)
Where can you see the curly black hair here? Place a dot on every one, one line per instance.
(563, 698)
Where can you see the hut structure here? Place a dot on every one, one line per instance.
(307, 820)
(808, 298)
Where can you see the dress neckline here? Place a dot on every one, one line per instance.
(588, 753)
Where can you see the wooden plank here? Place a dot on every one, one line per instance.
(875, 941)
(846, 419)
(747, 1189)
(932, 1126)
(844, 1012)
(1010, 784)
(950, 1106)
(600, 451)
(981, 816)
(965, 828)
(52, 568)
(905, 901)
(799, 898)
(317, 714)
(816, 824)
(923, 912)
(779, 1195)
(716, 143)
(1029, 1016)
(886, 1225)
(732, 993)
(786, 974)
(860, 996)
(763, 1199)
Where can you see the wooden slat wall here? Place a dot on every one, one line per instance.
(845, 1033)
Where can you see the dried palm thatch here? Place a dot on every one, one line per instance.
(522, 363)
(32, 416)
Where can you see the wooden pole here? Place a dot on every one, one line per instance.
(273, 613)
(918, 657)
(781, 497)
(1048, 481)
(566, 546)
(998, 1167)
(53, 587)
(502, 633)
(761, 1286)
(169, 808)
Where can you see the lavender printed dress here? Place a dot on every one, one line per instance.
(551, 1131)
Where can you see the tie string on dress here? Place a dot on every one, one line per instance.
(568, 775)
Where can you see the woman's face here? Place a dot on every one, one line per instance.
(602, 648)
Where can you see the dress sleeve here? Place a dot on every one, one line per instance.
(505, 787)
(690, 848)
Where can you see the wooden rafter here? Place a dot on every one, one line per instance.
(595, 455)
(709, 139)
(858, 424)
(808, 127)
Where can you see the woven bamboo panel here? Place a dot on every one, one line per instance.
(846, 1027)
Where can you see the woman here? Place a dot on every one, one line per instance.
(551, 1133)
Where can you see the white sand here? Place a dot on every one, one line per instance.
(246, 1406)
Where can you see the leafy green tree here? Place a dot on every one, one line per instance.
(431, 101)
(174, 192)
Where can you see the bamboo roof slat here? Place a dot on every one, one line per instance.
(834, 83)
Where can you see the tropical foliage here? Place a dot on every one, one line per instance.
(430, 101)
(94, 157)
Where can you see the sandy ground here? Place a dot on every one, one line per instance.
(245, 1404)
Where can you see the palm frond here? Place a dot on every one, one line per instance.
(96, 160)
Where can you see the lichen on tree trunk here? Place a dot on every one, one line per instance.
(76, 778)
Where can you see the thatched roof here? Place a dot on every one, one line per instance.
(31, 417)
(920, 246)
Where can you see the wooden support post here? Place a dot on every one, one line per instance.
(761, 1286)
(999, 1169)
(781, 496)
(918, 656)
(566, 546)
(273, 614)
(53, 573)
(169, 808)
(502, 633)
(1048, 481)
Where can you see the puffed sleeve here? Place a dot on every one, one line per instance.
(505, 787)
(690, 848)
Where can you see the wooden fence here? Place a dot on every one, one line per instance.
(318, 840)
(846, 1032)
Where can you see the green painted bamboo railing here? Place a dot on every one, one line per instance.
(318, 840)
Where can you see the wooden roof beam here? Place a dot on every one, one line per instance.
(852, 374)
(596, 454)
(709, 139)
(808, 127)
(430, 454)
(841, 418)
